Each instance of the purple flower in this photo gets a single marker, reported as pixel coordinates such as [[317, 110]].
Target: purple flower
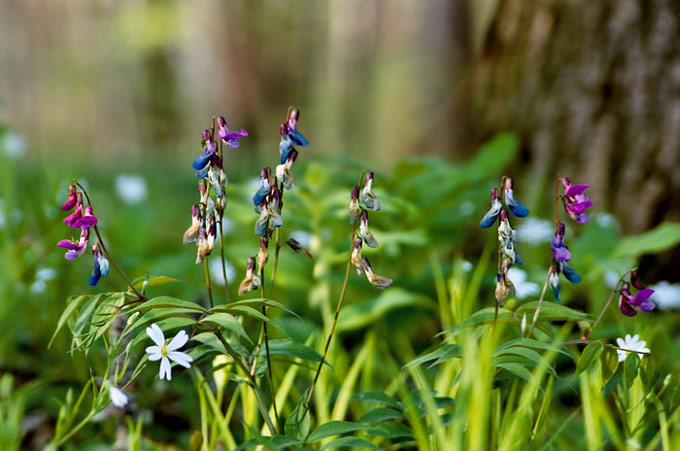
[[71, 219], [560, 251], [203, 159], [295, 136], [229, 138], [87, 220], [515, 207], [286, 144], [101, 266], [75, 249], [575, 201], [630, 305], [491, 215], [72, 199]]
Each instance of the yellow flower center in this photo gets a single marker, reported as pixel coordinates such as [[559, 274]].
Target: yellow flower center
[[164, 351]]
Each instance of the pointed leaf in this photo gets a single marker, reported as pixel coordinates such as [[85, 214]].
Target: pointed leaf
[[589, 356], [334, 428], [228, 322], [381, 414], [378, 397], [350, 442]]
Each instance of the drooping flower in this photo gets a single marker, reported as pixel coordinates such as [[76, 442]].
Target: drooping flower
[[354, 208], [356, 258], [71, 219], [72, 199], [101, 266], [571, 275], [263, 253], [118, 397], [263, 189], [168, 352], [283, 173], [507, 238], [192, 232], [554, 282], [203, 248], [366, 234], [263, 221], [515, 207], [286, 144], [203, 159], [504, 286], [370, 200], [295, 136], [87, 220], [218, 180], [251, 281], [633, 344], [491, 215], [229, 138], [560, 251], [299, 248], [575, 201], [630, 305], [75, 248], [377, 281], [274, 208]]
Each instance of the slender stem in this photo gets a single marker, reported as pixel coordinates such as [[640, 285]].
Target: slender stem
[[207, 280], [585, 341], [611, 296], [540, 302], [224, 264], [337, 313], [251, 382], [106, 251], [266, 347]]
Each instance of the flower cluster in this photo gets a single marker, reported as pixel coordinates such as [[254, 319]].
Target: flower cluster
[[575, 201], [507, 236], [209, 166], [630, 304], [561, 256], [83, 219], [290, 137], [370, 201]]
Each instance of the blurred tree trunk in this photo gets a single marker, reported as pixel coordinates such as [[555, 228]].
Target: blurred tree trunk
[[593, 89]]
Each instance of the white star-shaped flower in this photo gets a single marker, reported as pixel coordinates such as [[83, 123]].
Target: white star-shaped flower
[[633, 343], [118, 397], [168, 352]]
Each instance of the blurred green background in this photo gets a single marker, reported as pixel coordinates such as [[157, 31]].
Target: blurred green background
[[438, 98]]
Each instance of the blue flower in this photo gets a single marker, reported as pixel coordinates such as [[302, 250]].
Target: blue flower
[[203, 159], [491, 215], [263, 190], [515, 207], [101, 266], [295, 136]]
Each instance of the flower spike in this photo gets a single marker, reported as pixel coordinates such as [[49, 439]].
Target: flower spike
[[377, 281]]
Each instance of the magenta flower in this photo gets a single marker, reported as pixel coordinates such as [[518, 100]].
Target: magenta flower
[[72, 199], [560, 251], [87, 220], [630, 305], [73, 218], [229, 138], [75, 248], [575, 201]]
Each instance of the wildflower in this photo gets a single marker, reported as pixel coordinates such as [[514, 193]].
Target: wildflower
[[251, 281], [192, 232], [263, 220], [203, 245], [118, 397], [515, 207], [295, 136], [632, 344], [377, 281], [504, 286], [575, 201], [218, 180], [286, 144], [366, 234], [75, 249], [370, 200], [229, 138], [630, 305], [299, 248], [263, 253], [71, 219], [168, 352], [491, 215], [101, 266], [263, 189], [72, 199], [560, 251], [203, 159], [274, 209], [507, 237], [554, 281], [356, 258], [283, 174], [87, 220], [354, 208], [212, 233]]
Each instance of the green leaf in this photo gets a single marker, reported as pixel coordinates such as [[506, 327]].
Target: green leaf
[[442, 354], [647, 372], [153, 281], [589, 356], [610, 362], [630, 368], [378, 397], [483, 316], [334, 428], [531, 343], [254, 302], [273, 442], [299, 422], [228, 322], [516, 369], [253, 313], [292, 348], [551, 311], [166, 302], [391, 430], [381, 414], [350, 442], [359, 315], [73, 304], [659, 239]]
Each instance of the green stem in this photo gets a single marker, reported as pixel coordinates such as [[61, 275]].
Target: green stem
[[224, 264], [207, 280], [540, 302], [611, 296], [266, 347]]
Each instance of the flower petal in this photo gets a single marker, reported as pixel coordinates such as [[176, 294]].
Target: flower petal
[[490, 217], [297, 138], [202, 160], [181, 358], [166, 369], [180, 340], [154, 353], [571, 275], [627, 309], [156, 334]]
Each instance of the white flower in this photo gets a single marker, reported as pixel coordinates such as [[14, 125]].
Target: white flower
[[522, 287], [168, 352], [131, 188], [633, 343], [536, 231], [666, 295], [216, 271], [118, 398]]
